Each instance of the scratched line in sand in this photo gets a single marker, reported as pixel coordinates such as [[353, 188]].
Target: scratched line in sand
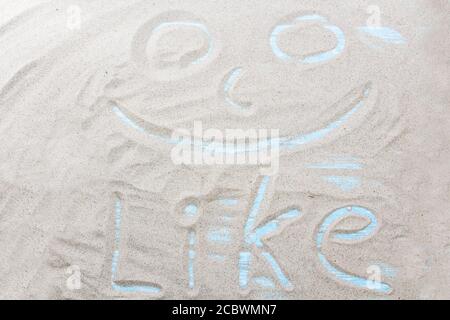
[[116, 256], [284, 142]]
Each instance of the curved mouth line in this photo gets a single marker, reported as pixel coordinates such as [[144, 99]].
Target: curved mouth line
[[165, 134]]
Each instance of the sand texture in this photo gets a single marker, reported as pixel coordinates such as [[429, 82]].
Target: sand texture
[[93, 206]]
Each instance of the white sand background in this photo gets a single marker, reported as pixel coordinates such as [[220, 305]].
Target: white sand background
[[67, 159]]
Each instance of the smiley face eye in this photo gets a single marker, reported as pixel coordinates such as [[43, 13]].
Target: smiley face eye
[[309, 21], [173, 45], [179, 44]]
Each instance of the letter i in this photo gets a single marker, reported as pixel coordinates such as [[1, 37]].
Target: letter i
[[191, 259], [190, 217]]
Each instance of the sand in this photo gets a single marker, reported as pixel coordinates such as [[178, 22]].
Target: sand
[[92, 205]]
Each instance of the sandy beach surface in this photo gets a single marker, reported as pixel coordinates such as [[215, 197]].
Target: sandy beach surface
[[355, 96]]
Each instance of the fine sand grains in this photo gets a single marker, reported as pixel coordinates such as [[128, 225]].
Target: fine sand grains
[[93, 206]]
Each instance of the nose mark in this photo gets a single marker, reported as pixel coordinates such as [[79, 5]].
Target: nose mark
[[228, 84]]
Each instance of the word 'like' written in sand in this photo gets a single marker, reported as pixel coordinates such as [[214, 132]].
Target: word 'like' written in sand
[[252, 243]]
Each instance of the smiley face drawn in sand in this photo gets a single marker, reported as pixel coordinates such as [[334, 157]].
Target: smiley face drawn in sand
[[172, 54], [189, 48]]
